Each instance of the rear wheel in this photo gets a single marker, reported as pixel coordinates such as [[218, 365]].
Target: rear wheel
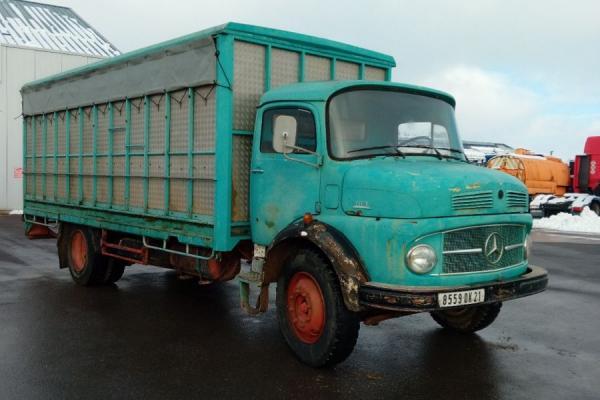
[[595, 207], [86, 265], [114, 270], [312, 315], [467, 319]]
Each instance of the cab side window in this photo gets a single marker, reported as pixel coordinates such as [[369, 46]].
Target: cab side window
[[306, 136]]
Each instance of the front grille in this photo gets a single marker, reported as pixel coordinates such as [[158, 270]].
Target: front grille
[[468, 201], [517, 199], [465, 249]]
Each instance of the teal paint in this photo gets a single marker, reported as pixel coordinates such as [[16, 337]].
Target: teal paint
[[44, 153], [110, 133], [68, 155], [190, 152], [26, 172], [361, 71], [127, 154], [34, 157], [55, 161], [95, 153], [224, 139], [332, 67], [301, 67], [147, 111], [80, 120], [267, 68], [167, 186]]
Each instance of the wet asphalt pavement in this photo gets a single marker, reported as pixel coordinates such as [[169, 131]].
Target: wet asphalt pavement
[[154, 336]]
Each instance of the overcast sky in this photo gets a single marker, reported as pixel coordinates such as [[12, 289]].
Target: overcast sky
[[526, 73]]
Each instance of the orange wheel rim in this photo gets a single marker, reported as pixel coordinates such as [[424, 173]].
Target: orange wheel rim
[[78, 251], [305, 307]]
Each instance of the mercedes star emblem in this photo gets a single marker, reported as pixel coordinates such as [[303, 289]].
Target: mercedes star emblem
[[494, 247]]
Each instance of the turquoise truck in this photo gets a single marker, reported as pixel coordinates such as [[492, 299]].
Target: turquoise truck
[[275, 157]]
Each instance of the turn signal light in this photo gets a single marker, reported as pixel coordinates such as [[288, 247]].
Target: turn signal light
[[307, 219]]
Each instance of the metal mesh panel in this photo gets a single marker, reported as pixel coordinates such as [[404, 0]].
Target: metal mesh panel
[[178, 195], [317, 68], [157, 124], [73, 132], [88, 131], [205, 113], [284, 67], [178, 166], [62, 134], [50, 137], [118, 132], [249, 83], [62, 187], [88, 165], [39, 142], [346, 70], [204, 197], [102, 129], [29, 175], [204, 167], [179, 121], [242, 154], [29, 135], [374, 74], [136, 182], [102, 180], [74, 188], [118, 197], [475, 238], [156, 166], [137, 126], [156, 193], [39, 190]]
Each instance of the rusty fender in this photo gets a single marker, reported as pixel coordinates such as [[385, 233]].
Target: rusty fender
[[341, 254]]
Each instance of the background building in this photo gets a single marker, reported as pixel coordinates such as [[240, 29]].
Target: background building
[[36, 40]]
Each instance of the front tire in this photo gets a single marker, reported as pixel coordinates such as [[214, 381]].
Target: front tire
[[312, 316], [467, 319]]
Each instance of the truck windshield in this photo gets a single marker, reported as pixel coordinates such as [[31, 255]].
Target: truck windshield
[[370, 122]]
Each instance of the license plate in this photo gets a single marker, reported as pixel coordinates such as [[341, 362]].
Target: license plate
[[461, 298]]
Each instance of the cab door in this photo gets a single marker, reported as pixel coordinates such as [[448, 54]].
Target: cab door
[[283, 187]]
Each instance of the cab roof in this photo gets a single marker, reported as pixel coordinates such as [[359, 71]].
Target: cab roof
[[323, 90]]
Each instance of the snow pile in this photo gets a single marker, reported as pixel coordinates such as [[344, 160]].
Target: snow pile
[[586, 222], [16, 212]]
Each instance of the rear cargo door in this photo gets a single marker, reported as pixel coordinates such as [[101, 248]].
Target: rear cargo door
[[283, 189]]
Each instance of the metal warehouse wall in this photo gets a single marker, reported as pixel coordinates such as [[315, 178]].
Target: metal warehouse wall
[[17, 67]]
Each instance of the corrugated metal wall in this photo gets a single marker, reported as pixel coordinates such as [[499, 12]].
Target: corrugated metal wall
[[17, 67]]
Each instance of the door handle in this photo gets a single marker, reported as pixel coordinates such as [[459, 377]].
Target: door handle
[[257, 171]]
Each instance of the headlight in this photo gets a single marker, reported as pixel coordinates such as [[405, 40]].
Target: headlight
[[527, 247], [421, 259]]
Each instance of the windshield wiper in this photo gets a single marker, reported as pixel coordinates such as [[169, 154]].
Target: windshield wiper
[[387, 146], [424, 146]]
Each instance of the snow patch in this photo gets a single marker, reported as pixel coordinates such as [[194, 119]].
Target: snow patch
[[16, 212], [586, 222]]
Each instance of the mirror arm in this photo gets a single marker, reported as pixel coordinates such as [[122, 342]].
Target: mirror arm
[[315, 165]]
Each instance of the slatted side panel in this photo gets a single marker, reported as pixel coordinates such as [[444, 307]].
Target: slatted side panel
[[102, 160], [285, 67], [160, 160], [346, 70], [317, 68], [203, 168], [249, 83], [118, 132], [242, 154], [374, 73]]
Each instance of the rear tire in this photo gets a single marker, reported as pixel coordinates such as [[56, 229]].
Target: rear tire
[[467, 319], [595, 207], [86, 265], [114, 270], [312, 316]]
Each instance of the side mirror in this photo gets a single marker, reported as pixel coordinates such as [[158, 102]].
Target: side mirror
[[284, 133]]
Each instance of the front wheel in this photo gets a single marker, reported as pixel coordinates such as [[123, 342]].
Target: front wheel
[[312, 315], [467, 319]]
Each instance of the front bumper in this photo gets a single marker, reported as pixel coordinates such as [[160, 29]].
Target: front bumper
[[419, 299]]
